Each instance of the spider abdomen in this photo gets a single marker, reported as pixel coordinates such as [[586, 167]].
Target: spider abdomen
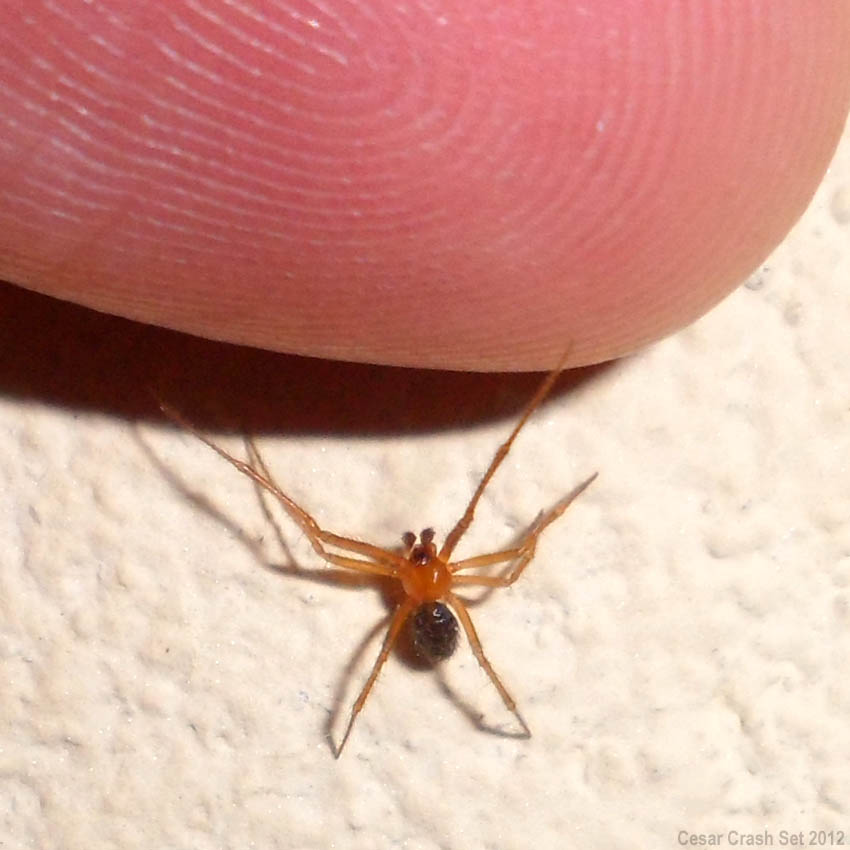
[[434, 631]]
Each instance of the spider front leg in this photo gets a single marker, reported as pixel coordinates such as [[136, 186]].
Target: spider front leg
[[383, 563], [462, 525], [524, 551], [307, 523], [258, 471]]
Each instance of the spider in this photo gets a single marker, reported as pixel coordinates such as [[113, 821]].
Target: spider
[[428, 576]]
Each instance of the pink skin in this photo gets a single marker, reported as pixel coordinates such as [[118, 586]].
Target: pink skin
[[464, 184]]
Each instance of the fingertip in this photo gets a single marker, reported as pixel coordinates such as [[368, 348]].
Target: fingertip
[[443, 191]]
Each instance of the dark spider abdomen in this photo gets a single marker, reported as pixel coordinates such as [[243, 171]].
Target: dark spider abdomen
[[434, 631]]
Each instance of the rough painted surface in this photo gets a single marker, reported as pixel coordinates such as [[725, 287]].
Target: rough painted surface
[[679, 647]]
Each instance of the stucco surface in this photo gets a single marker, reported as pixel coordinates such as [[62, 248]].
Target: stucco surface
[[679, 647]]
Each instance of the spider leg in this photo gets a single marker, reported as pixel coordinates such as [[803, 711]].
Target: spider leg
[[401, 614], [475, 643], [524, 551], [358, 546], [465, 521], [387, 562]]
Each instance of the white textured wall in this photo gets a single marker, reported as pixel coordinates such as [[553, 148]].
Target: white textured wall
[[679, 647]]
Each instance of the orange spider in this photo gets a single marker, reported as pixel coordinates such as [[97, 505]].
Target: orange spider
[[428, 577]]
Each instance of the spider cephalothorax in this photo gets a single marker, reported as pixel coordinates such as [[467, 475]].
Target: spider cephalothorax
[[424, 575]]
